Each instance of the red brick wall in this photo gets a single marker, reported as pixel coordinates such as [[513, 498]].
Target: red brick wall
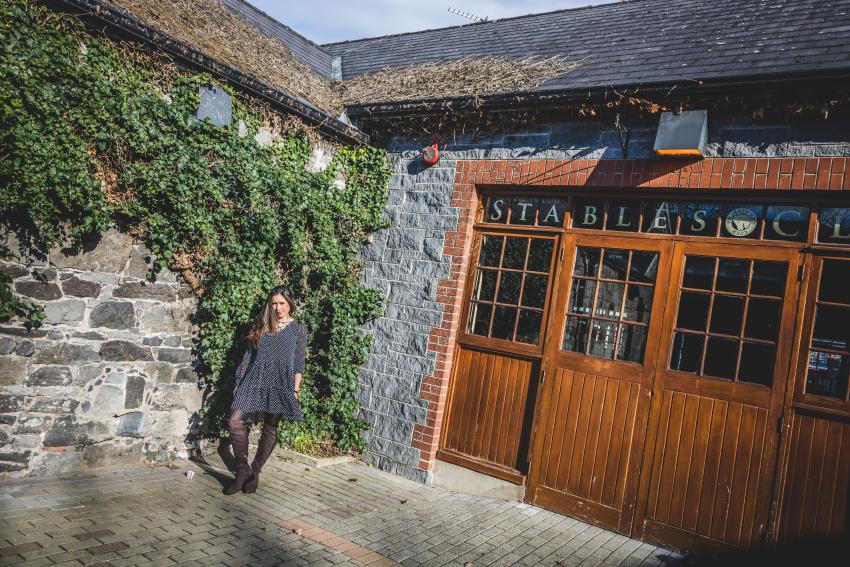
[[821, 174]]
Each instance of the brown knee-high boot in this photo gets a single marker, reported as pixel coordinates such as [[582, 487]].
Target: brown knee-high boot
[[239, 442], [268, 440]]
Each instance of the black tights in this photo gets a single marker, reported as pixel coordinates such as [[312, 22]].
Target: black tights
[[239, 437]]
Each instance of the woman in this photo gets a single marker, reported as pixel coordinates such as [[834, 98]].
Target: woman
[[269, 381]]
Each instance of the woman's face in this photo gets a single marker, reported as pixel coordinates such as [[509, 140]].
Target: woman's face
[[280, 306]]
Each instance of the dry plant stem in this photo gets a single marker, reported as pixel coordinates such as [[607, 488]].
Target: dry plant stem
[[463, 77], [220, 33]]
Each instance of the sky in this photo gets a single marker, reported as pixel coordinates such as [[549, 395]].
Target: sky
[[326, 21]]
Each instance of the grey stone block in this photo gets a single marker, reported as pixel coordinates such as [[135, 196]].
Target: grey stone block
[[152, 341], [42, 404], [130, 424], [67, 312], [13, 370], [11, 403], [118, 350], [186, 375], [117, 452], [159, 372], [31, 424], [113, 315], [216, 105], [89, 335], [51, 464], [81, 288], [7, 345], [106, 253], [50, 376], [174, 355], [13, 270], [108, 400], [46, 291], [141, 290], [68, 430], [26, 348], [134, 391], [66, 353]]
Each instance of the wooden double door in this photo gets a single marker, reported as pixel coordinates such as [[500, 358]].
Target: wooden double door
[[652, 375]]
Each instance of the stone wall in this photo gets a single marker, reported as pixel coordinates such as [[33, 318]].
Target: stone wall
[[397, 391], [108, 378]]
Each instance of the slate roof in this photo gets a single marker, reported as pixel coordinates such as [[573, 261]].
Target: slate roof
[[637, 41]]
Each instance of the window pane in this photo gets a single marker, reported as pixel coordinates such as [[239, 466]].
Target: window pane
[[614, 264], [609, 299], [479, 319], [831, 328], [587, 261], [835, 281], [588, 214], [834, 225], [575, 334], [509, 287], [528, 328], [485, 285], [540, 255], [623, 216], [515, 250], [732, 275], [581, 296], [787, 223], [699, 272], [699, 219], [644, 267], [632, 343], [534, 291], [503, 323], [756, 364], [727, 315], [660, 217], [602, 337], [693, 311], [721, 357], [769, 278], [638, 303], [741, 221], [763, 319], [491, 250], [523, 210], [687, 352], [552, 212], [497, 210], [827, 374]]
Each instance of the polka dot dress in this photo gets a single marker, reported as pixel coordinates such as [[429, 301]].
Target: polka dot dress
[[265, 380]]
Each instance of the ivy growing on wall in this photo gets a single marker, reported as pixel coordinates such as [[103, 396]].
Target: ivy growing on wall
[[96, 134]]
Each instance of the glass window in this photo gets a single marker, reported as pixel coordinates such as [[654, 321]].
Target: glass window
[[523, 210], [834, 225], [610, 303], [827, 373], [588, 213], [740, 221], [511, 283], [623, 216], [660, 217], [699, 219], [787, 223], [723, 331]]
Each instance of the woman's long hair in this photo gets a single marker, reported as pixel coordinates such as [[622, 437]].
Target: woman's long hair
[[266, 320]]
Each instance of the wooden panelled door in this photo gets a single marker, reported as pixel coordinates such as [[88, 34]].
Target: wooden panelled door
[[815, 500], [708, 470], [498, 355], [592, 418]]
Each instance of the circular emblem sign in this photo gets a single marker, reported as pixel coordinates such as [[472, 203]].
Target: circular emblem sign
[[741, 222]]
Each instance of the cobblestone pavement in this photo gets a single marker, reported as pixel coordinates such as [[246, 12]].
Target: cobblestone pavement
[[347, 515]]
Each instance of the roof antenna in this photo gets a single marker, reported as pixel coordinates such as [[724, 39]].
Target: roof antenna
[[472, 17]]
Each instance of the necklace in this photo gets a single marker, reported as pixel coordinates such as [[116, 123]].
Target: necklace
[[281, 325]]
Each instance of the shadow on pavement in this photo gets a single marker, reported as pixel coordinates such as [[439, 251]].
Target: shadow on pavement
[[805, 553]]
